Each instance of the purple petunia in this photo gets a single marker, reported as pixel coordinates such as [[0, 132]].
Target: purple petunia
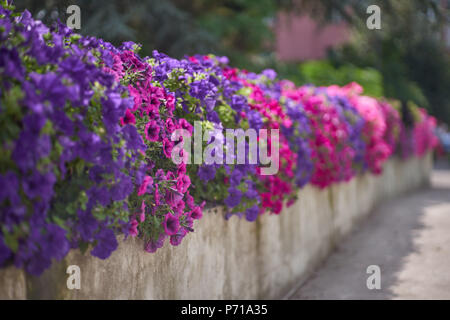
[[39, 185], [206, 172], [252, 213], [254, 120], [238, 103], [234, 197], [106, 243]]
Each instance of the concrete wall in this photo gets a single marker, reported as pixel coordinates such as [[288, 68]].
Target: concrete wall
[[232, 259]]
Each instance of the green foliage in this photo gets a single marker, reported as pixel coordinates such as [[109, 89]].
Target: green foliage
[[155, 24], [407, 51], [323, 73], [240, 29]]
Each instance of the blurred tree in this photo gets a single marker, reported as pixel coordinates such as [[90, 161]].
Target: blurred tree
[[240, 29], [243, 27], [407, 50], [155, 24]]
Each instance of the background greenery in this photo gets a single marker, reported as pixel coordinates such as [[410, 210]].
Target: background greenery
[[404, 60]]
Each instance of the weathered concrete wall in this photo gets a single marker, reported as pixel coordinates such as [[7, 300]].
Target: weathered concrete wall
[[228, 259]]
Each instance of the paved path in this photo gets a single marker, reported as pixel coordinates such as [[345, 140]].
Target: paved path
[[408, 238]]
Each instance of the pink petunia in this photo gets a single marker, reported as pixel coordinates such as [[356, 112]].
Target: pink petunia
[[152, 131], [148, 181], [171, 224], [183, 183], [133, 231], [129, 118]]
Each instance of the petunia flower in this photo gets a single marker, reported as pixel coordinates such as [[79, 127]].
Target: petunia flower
[[171, 224], [152, 131]]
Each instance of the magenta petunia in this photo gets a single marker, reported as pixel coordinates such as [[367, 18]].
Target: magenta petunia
[[190, 200], [129, 118], [170, 126], [152, 131], [142, 212], [167, 147], [170, 103], [176, 239], [133, 231], [181, 168], [171, 224], [196, 213], [183, 183], [182, 123], [173, 196], [179, 208], [148, 181]]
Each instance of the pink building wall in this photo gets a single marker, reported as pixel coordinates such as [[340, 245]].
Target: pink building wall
[[301, 38]]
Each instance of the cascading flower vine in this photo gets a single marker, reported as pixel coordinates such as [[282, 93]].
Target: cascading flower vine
[[68, 164], [87, 141]]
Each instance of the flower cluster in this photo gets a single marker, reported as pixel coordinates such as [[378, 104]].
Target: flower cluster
[[374, 131], [332, 150], [88, 137], [67, 163], [264, 95], [162, 206], [424, 136]]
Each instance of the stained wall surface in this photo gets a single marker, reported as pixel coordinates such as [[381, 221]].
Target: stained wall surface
[[232, 259]]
